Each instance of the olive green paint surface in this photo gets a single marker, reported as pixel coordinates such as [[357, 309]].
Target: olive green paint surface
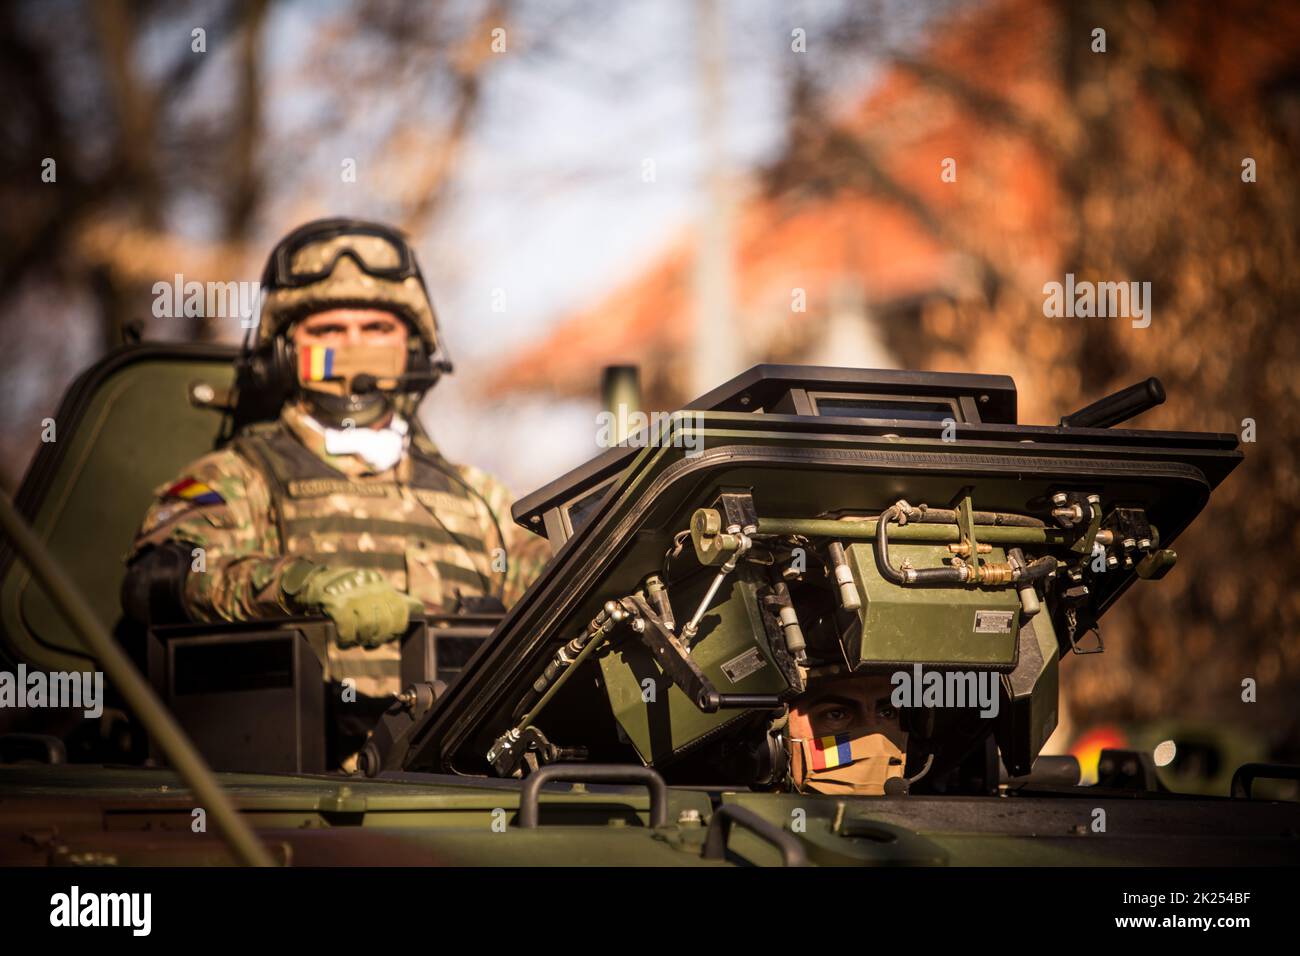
[[930, 625], [655, 713], [135, 816], [138, 432]]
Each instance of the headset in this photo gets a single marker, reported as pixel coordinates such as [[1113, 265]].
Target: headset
[[269, 372]]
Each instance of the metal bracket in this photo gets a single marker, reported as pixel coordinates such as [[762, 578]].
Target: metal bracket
[[681, 668], [717, 532], [966, 528], [1084, 545], [509, 754], [390, 738], [738, 511], [674, 658], [1157, 564]]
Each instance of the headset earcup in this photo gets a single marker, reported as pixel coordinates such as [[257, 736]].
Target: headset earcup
[[285, 361], [265, 380], [272, 371]]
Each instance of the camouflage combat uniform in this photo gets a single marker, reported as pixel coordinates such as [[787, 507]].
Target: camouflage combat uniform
[[425, 524]]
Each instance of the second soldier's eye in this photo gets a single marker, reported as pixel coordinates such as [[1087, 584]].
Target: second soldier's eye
[[834, 716], [885, 710]]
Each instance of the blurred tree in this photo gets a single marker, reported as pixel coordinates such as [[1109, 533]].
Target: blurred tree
[[1142, 147], [182, 143]]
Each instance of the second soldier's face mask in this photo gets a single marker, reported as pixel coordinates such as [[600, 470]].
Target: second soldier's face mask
[[844, 740], [848, 763]]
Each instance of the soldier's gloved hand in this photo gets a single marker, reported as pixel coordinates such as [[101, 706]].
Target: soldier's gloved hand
[[365, 608]]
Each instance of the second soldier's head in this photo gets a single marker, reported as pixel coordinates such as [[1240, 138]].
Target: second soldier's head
[[845, 736], [346, 322]]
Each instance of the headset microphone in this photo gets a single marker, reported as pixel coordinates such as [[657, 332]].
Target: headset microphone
[[365, 383]]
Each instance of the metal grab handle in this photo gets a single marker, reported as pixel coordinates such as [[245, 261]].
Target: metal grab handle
[[1248, 773], [715, 841], [593, 773]]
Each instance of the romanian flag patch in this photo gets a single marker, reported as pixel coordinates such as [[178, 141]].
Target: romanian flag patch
[[316, 363], [830, 752], [195, 492]]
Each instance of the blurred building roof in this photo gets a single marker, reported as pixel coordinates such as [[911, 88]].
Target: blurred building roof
[[862, 198]]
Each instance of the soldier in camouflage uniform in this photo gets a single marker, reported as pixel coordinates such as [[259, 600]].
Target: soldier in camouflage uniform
[[343, 506]]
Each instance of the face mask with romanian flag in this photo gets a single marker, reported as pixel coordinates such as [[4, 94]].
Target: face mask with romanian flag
[[333, 369], [852, 762]]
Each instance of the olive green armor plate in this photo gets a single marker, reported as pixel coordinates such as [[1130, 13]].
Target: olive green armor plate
[[126, 426]]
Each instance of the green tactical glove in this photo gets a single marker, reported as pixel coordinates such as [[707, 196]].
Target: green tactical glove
[[365, 608]]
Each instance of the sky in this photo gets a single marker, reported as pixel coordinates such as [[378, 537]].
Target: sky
[[553, 209]]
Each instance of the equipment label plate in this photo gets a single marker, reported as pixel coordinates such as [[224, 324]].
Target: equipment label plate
[[741, 666], [994, 622]]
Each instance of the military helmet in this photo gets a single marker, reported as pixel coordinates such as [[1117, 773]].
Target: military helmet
[[344, 263], [330, 264]]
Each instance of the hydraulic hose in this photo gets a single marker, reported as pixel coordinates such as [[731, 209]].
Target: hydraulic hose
[[1038, 568], [961, 574], [911, 575]]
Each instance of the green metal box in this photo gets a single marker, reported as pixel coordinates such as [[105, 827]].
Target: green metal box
[[731, 650], [957, 625]]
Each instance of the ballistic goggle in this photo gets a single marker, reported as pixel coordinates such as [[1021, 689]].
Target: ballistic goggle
[[310, 253]]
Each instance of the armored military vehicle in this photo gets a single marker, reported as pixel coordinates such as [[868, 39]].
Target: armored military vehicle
[[793, 526]]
